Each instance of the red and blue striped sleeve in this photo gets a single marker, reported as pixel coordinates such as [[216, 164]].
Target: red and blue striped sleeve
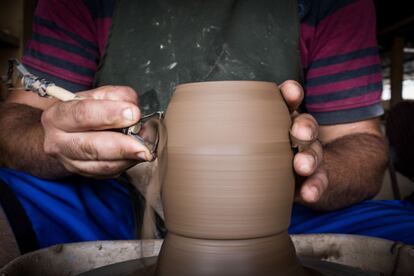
[[68, 40], [343, 80]]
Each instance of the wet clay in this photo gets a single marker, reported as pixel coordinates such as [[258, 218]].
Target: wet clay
[[274, 255], [229, 170], [229, 185], [147, 177]]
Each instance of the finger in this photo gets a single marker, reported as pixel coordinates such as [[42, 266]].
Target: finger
[[293, 94], [112, 92], [83, 115], [306, 162], [99, 146], [314, 187], [98, 169], [304, 128]]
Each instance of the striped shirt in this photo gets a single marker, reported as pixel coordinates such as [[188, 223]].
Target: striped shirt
[[338, 50]]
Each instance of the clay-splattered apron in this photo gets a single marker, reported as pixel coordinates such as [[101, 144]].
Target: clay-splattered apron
[[156, 44]]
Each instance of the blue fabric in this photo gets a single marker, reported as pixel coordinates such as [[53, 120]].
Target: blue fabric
[[81, 209], [73, 209], [388, 219]]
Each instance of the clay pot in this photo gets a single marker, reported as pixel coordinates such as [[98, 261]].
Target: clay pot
[[274, 255], [229, 172]]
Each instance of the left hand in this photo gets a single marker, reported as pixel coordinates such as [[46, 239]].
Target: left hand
[[308, 161]]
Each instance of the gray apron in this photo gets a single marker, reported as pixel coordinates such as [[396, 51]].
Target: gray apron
[[156, 44]]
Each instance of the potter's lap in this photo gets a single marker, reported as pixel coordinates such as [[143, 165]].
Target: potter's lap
[[81, 209], [73, 209], [388, 219]]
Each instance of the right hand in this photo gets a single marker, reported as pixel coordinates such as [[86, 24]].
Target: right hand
[[74, 132]]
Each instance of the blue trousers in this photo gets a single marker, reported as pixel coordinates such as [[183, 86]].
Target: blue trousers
[[83, 209]]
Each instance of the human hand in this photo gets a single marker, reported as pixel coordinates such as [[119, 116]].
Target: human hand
[[307, 163], [73, 132]]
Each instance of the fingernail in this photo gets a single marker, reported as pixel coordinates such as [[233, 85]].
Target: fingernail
[[128, 114], [305, 168], [301, 133], [142, 155], [308, 163], [314, 193]]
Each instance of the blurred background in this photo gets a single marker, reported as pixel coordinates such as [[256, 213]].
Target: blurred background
[[395, 30], [15, 30]]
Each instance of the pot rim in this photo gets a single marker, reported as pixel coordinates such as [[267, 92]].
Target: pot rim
[[226, 82]]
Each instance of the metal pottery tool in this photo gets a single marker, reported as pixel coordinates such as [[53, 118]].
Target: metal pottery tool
[[44, 88]]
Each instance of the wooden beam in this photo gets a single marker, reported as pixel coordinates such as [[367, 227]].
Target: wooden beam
[[397, 69], [397, 26]]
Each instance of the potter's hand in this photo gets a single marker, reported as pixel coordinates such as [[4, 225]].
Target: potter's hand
[[307, 162], [71, 136]]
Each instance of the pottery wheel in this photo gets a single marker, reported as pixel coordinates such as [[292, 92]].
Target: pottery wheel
[[146, 267]]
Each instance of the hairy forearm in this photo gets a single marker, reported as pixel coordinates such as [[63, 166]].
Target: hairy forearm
[[355, 165], [21, 142]]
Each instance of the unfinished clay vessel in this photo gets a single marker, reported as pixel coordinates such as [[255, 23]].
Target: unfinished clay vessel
[[229, 170], [273, 255]]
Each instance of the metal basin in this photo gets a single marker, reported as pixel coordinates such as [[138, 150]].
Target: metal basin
[[323, 252]]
